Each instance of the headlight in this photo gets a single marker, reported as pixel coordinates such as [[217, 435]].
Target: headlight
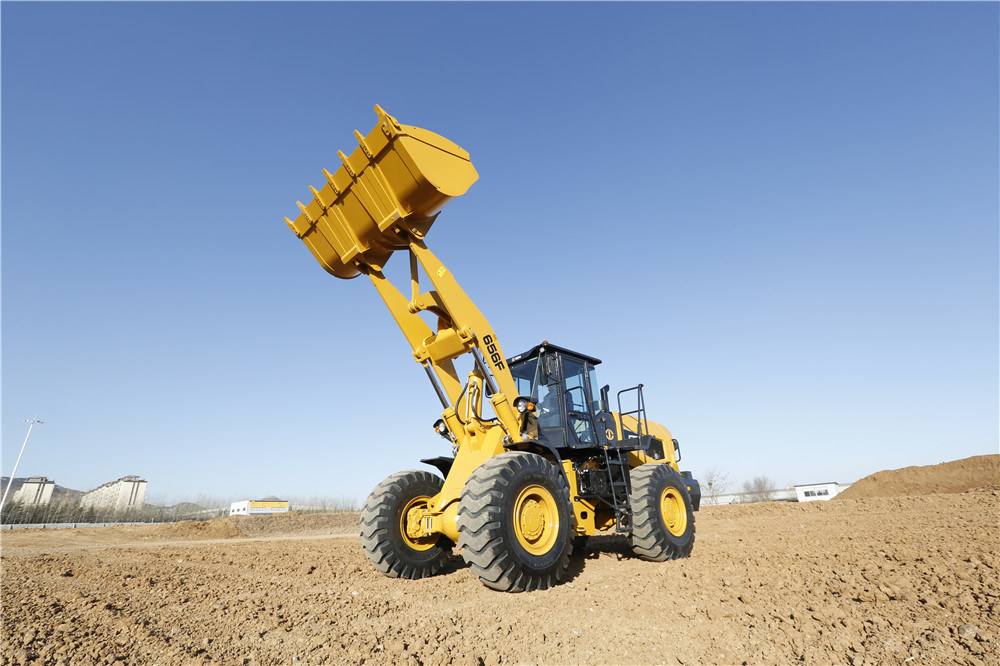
[[523, 405], [441, 428]]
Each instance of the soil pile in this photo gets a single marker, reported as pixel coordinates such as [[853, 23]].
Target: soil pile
[[959, 476], [221, 528], [902, 580], [235, 527], [294, 522]]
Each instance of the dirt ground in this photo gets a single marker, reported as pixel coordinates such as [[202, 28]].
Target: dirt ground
[[911, 579]]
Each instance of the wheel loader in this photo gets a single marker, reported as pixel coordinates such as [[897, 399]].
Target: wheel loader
[[541, 458]]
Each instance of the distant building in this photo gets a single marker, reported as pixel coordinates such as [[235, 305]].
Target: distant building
[[777, 495], [806, 493], [814, 492], [128, 492], [263, 507], [35, 490]]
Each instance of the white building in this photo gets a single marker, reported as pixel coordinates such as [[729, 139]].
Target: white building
[[263, 507], [128, 492], [777, 495], [806, 493], [35, 490], [814, 492]]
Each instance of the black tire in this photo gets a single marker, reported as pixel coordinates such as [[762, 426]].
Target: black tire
[[662, 515], [383, 530], [515, 523]]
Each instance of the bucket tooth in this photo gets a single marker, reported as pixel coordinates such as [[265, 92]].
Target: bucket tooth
[[291, 225], [329, 179], [363, 144], [319, 199], [305, 213], [347, 163], [388, 124]]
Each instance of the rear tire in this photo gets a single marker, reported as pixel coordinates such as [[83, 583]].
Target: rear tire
[[515, 522], [662, 515], [384, 524]]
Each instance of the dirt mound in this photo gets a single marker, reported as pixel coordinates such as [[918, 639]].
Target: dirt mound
[[220, 528], [188, 530], [958, 476], [294, 522], [235, 527]]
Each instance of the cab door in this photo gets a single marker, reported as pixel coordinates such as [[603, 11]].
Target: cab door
[[577, 401]]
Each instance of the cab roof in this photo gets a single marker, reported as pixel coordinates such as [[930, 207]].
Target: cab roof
[[548, 346]]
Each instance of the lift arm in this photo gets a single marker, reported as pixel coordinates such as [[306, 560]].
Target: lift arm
[[384, 198]]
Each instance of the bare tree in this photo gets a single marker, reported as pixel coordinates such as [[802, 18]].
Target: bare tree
[[714, 483], [760, 489]]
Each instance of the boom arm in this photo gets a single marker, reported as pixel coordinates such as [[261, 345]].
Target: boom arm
[[384, 198], [462, 329]]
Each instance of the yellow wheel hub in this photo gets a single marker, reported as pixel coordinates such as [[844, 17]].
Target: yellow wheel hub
[[410, 527], [536, 520], [674, 512]]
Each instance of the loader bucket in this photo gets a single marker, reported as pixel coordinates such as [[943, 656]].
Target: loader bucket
[[398, 178]]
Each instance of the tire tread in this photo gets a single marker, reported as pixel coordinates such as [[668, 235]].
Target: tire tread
[[480, 524], [650, 539], [376, 523]]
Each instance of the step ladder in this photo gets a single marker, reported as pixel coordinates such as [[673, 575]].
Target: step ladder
[[618, 475]]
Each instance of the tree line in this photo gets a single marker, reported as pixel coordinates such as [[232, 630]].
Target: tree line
[[70, 511], [18, 513], [716, 483]]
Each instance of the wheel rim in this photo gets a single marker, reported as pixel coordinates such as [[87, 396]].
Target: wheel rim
[[536, 519], [673, 511], [409, 525]]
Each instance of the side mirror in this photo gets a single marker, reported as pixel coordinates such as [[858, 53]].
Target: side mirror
[[604, 398], [548, 366]]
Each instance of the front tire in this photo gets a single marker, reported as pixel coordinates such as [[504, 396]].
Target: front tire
[[662, 515], [384, 521], [515, 523]]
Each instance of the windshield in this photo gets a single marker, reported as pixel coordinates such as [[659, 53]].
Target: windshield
[[524, 376], [541, 389]]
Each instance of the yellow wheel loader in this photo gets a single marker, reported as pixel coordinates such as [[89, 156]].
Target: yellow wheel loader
[[540, 460]]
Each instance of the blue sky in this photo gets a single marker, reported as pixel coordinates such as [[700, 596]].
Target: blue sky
[[780, 218]]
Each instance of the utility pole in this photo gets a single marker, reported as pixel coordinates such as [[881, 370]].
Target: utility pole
[[10, 481]]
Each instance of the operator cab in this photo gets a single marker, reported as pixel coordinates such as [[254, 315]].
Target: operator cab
[[571, 411]]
